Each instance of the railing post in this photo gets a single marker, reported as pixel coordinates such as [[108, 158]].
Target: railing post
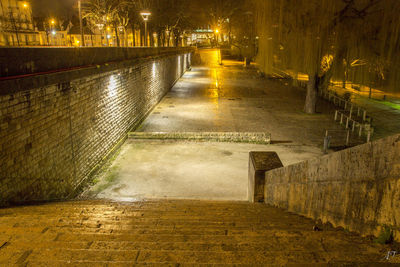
[[351, 111]]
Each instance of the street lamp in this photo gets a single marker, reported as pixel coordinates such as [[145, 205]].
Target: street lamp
[[145, 15], [80, 22]]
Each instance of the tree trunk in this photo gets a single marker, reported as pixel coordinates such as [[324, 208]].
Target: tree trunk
[[116, 35], [311, 98]]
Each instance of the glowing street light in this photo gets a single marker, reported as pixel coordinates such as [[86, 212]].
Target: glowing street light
[[52, 21], [80, 22], [145, 15], [25, 5]]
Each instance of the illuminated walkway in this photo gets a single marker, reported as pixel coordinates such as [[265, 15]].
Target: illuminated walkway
[[213, 98], [231, 98]]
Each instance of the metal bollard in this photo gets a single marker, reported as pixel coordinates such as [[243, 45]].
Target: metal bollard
[[341, 118], [347, 123], [354, 126], [369, 137], [365, 115], [336, 115], [348, 138], [360, 130], [327, 141], [351, 111]]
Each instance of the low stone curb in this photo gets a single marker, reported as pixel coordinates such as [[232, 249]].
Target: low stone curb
[[238, 137]]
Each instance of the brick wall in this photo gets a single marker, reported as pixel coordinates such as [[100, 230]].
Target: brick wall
[[52, 137]]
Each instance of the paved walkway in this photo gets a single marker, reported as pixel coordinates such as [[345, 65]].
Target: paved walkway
[[231, 98], [213, 98], [174, 233]]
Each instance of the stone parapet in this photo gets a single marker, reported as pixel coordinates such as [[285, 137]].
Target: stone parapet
[[357, 188], [28, 60]]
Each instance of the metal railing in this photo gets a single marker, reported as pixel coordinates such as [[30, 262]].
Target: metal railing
[[364, 127], [347, 105]]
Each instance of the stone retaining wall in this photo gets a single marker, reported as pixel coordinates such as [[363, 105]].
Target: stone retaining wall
[[53, 136], [238, 137], [357, 188]]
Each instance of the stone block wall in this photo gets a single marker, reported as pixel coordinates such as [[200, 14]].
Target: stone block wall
[[357, 188], [53, 136]]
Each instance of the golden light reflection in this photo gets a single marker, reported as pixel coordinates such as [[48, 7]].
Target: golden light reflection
[[214, 94]]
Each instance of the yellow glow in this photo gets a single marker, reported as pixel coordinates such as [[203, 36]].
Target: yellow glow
[[216, 31], [52, 21], [108, 18], [77, 41], [25, 5], [108, 29]]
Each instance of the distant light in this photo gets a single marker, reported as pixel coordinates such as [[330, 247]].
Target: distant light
[[216, 31], [53, 32], [108, 29], [77, 41], [52, 21], [25, 5], [145, 15], [108, 36]]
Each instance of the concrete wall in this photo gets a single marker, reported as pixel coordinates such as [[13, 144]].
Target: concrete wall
[[56, 129], [357, 188]]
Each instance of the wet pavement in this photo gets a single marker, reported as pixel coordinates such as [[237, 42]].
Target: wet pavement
[[233, 98], [213, 98]]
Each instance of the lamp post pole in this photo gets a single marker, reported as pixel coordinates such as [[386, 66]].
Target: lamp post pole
[[145, 16], [145, 32], [81, 23]]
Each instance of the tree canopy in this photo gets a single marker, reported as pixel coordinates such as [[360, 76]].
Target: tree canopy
[[356, 40]]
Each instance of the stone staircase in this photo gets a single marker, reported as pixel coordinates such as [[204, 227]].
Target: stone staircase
[[172, 233]]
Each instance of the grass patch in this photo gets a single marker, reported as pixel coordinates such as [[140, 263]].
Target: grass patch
[[386, 236], [388, 103]]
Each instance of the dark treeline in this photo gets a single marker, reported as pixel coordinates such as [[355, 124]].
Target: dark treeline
[[340, 40]]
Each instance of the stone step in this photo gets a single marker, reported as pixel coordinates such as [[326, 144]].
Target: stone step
[[212, 239], [97, 233], [189, 257], [153, 231], [270, 243]]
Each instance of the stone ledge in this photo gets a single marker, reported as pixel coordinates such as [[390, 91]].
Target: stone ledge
[[243, 137], [259, 164]]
